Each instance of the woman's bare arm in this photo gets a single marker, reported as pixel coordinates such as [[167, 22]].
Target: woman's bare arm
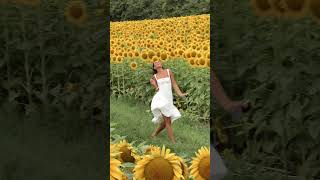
[[219, 93], [175, 85], [153, 82]]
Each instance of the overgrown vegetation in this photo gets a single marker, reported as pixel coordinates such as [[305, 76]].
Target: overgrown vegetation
[[274, 62]]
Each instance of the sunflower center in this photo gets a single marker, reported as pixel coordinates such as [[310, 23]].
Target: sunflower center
[[202, 61], [263, 5], [158, 169], [204, 168], [278, 6], [126, 155], [295, 5], [76, 11]]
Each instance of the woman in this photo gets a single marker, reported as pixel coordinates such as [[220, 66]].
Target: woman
[[162, 106], [236, 108]]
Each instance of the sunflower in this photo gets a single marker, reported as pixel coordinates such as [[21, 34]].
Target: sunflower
[[278, 8], [296, 8], [76, 12], [128, 154], [160, 165], [151, 148], [163, 56], [184, 167], [133, 65], [202, 62], [192, 62], [200, 165], [155, 58], [314, 8], [115, 172], [262, 7], [144, 55]]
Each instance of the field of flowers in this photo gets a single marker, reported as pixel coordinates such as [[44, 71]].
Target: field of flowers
[[279, 72], [181, 44], [151, 162]]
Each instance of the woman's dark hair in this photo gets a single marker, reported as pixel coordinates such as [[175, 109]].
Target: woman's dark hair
[[155, 71]]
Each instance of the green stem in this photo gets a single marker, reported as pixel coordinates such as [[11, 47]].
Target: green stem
[[26, 62], [124, 88], [43, 60], [6, 56]]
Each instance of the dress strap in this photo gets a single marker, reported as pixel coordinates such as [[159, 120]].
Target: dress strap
[[155, 76], [168, 72]]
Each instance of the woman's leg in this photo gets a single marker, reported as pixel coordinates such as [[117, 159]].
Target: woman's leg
[[159, 129], [222, 98], [167, 121]]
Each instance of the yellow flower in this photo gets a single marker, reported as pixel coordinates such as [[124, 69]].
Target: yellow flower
[[76, 12], [133, 65], [262, 7], [151, 149], [296, 8], [128, 154], [200, 165], [184, 167], [115, 172], [278, 8], [314, 8], [160, 165]]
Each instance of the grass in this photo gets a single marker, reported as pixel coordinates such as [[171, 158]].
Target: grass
[[134, 121]]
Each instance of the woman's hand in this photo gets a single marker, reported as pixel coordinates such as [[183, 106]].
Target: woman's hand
[[154, 84]]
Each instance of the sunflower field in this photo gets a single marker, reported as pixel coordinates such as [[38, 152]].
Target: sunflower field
[[180, 43], [268, 52], [130, 161]]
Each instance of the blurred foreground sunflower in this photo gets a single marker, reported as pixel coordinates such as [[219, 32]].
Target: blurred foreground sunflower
[[160, 165], [128, 154], [278, 8], [76, 12], [151, 148], [296, 8], [314, 9], [262, 7], [200, 165], [115, 172], [184, 167]]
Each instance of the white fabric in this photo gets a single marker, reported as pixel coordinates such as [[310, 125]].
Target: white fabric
[[162, 101], [218, 169]]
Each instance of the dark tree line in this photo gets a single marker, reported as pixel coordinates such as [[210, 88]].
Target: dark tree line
[[149, 9]]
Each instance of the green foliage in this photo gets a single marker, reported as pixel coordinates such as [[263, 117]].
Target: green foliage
[[51, 73], [136, 84], [133, 123], [274, 63], [145, 9]]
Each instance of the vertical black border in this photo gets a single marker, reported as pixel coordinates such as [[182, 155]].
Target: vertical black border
[[213, 41], [107, 101]]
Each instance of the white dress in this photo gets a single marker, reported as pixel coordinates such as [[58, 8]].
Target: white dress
[[218, 169], [162, 101]]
